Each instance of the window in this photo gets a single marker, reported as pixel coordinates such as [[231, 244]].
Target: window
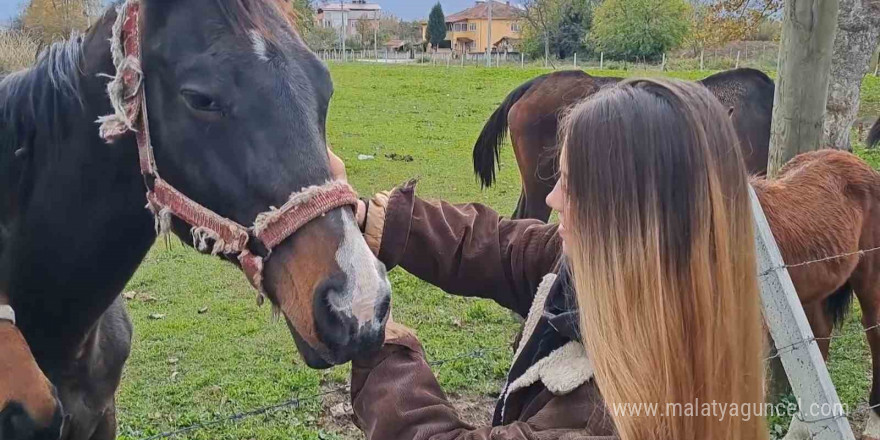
[[448, 27], [459, 27], [472, 27], [515, 27]]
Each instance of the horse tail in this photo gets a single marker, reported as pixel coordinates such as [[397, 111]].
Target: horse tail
[[874, 135], [488, 146], [839, 303]]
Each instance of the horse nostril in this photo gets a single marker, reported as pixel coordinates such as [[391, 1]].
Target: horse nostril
[[333, 318], [15, 423]]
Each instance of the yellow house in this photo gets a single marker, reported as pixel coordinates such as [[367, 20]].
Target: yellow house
[[468, 31]]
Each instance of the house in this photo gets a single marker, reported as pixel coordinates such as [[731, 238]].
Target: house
[[468, 31], [334, 14]]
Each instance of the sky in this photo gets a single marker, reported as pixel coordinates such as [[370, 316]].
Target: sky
[[405, 9]]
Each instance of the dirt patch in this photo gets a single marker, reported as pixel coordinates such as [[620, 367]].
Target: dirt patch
[[337, 417]]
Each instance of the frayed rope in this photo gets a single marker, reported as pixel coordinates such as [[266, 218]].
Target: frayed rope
[[119, 122]]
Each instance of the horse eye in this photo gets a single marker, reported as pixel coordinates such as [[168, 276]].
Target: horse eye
[[200, 102]]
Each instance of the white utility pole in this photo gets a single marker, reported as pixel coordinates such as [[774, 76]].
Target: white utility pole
[[344, 28], [489, 42]]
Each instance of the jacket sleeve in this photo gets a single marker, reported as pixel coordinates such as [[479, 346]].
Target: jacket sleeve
[[396, 396], [466, 250]]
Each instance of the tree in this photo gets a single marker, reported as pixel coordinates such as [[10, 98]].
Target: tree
[[321, 38], [364, 29], [640, 28], [436, 26], [808, 31], [722, 21], [305, 15], [51, 20], [539, 16], [858, 35]]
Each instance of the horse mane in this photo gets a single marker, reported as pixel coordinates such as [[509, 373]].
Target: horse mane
[[34, 97], [247, 16]]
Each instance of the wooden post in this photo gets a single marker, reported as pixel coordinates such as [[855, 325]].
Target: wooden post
[[808, 30], [601, 60], [702, 66], [522, 62], [876, 67], [663, 63], [575, 60], [737, 60], [794, 339]]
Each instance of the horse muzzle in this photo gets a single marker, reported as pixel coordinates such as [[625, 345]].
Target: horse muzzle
[[16, 423]]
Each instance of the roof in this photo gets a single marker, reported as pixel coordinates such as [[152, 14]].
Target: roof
[[480, 11], [337, 6]]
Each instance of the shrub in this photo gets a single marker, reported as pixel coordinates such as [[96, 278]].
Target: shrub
[[18, 50]]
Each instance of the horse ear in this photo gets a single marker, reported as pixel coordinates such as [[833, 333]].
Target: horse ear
[[730, 112]]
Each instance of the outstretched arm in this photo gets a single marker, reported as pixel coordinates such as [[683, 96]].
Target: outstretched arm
[[467, 249]]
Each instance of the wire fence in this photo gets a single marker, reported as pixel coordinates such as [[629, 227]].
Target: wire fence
[[754, 54], [828, 414], [299, 401], [483, 353]]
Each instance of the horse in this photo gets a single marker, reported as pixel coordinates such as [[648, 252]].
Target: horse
[[532, 112], [29, 406], [874, 135], [237, 109], [821, 205]]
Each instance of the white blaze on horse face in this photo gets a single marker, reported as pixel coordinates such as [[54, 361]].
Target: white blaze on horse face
[[259, 45], [365, 284]]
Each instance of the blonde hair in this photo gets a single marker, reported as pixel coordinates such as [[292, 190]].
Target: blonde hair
[[663, 260]]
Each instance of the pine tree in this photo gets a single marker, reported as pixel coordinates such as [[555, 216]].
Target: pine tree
[[436, 26]]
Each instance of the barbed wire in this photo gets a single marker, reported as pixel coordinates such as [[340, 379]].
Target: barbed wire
[[483, 352], [297, 402], [860, 253]]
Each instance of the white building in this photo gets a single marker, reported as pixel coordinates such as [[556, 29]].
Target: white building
[[334, 14]]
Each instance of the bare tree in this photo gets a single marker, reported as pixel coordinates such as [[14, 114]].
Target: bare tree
[[538, 14], [858, 35]]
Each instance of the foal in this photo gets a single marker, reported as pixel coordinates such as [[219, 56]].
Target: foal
[[824, 204], [29, 408]]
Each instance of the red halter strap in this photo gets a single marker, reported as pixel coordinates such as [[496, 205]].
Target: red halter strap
[[230, 238]]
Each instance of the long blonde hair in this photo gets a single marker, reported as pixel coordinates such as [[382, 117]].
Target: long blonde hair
[[663, 260]]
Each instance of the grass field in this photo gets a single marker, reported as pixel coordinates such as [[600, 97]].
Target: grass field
[[194, 365]]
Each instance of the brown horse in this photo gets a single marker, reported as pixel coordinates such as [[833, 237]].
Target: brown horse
[[29, 407], [874, 135], [824, 204], [532, 112]]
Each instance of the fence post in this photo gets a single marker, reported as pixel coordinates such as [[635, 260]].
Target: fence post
[[794, 339], [876, 67], [522, 62], [737, 60], [701, 59], [663, 63], [575, 60], [601, 60]]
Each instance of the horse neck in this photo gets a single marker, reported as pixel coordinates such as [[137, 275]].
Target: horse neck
[[81, 229]]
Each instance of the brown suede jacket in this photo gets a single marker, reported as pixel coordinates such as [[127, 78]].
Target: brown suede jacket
[[470, 250]]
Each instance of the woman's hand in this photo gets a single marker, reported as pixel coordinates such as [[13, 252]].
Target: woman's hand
[[337, 172]]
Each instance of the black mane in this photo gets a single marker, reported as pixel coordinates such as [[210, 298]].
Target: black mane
[[35, 99]]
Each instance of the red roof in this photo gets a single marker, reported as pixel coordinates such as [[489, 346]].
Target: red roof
[[480, 11]]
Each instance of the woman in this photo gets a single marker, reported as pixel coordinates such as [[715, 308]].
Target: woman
[[655, 220]]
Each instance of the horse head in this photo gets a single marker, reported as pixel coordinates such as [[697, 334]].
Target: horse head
[[237, 109], [29, 406]]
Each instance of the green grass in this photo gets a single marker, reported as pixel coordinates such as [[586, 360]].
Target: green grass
[[193, 367]]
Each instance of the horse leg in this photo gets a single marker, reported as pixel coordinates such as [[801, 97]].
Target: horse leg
[[821, 322], [106, 429], [867, 290], [520, 211]]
